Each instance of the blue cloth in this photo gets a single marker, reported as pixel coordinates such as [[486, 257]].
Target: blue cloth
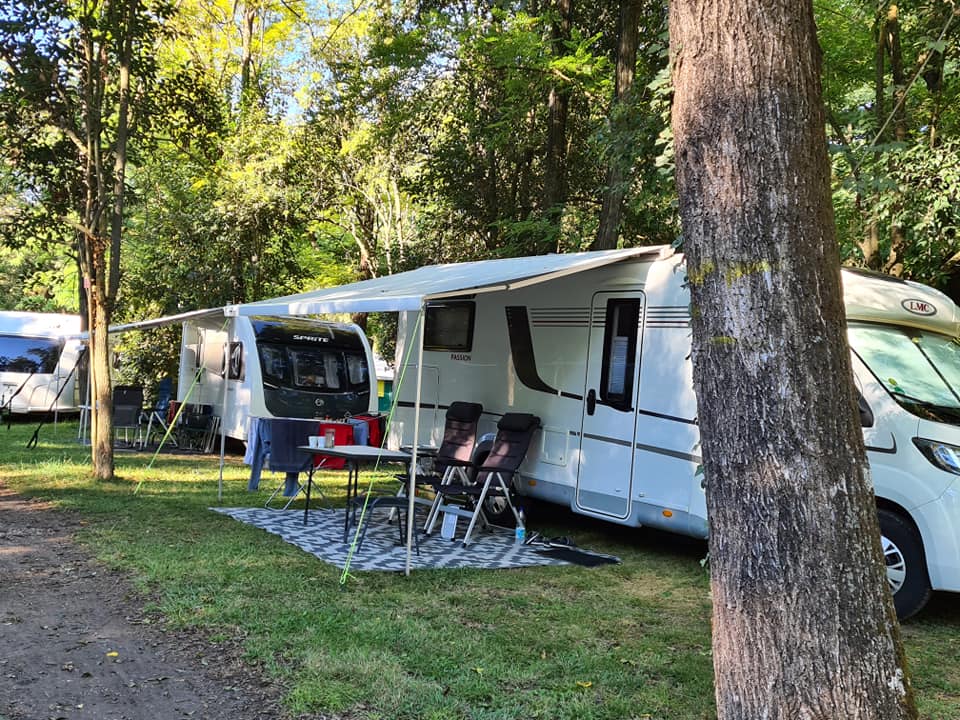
[[258, 448], [285, 437], [361, 431]]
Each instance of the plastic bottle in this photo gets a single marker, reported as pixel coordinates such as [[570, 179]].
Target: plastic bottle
[[520, 535]]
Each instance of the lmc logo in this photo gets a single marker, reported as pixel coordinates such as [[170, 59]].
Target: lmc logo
[[919, 307]]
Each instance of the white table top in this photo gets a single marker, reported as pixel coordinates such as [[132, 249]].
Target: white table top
[[359, 452]]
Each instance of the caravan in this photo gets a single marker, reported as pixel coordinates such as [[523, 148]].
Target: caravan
[[275, 367], [39, 353], [602, 355]]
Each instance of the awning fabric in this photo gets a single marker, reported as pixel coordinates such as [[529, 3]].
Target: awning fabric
[[409, 290], [168, 320]]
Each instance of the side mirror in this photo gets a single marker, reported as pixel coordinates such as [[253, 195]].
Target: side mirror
[[866, 414]]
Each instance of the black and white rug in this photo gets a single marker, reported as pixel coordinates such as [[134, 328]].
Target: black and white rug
[[322, 536]]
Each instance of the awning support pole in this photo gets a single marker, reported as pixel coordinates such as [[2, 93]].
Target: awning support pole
[[223, 404], [411, 491]]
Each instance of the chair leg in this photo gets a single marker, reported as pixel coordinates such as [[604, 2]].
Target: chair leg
[[478, 511]]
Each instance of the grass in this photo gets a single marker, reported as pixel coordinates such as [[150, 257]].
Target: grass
[[616, 641]]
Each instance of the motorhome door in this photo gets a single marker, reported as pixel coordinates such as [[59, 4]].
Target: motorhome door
[[605, 466]]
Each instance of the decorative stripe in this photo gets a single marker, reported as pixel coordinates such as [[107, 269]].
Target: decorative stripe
[[640, 446], [521, 352], [670, 316], [662, 416]]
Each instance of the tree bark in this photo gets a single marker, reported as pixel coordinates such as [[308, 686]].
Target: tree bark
[[618, 167], [803, 621], [558, 104]]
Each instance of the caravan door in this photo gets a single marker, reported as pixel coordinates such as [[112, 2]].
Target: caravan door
[[608, 423]]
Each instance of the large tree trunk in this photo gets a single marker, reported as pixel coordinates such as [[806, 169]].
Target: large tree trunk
[[803, 621], [618, 166]]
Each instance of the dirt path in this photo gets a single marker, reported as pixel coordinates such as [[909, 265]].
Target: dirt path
[[74, 644]]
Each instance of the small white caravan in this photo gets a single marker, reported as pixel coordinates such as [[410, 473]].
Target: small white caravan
[[39, 353], [277, 367], [601, 353]]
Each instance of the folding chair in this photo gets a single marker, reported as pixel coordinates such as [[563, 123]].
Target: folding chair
[[158, 413], [127, 410], [495, 476], [454, 458]]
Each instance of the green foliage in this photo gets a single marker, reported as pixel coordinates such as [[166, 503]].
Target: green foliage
[[896, 171]]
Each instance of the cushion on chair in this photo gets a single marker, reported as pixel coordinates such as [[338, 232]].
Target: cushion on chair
[[518, 422], [464, 411]]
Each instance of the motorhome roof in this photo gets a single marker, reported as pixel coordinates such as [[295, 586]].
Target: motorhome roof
[[872, 297], [39, 324]]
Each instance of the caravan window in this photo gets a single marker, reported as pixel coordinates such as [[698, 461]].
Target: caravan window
[[310, 368], [620, 353], [29, 354], [449, 327], [235, 359]]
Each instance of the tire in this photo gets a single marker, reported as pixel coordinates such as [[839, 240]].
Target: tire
[[906, 565], [496, 508]]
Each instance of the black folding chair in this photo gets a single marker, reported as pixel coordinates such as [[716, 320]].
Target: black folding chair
[[495, 477]]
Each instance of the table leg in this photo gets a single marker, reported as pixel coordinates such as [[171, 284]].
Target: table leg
[[306, 507], [353, 487]]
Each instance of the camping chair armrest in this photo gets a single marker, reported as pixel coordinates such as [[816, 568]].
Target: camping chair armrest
[[431, 480], [456, 463], [422, 450]]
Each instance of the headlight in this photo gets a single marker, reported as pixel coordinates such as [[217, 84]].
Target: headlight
[[943, 455]]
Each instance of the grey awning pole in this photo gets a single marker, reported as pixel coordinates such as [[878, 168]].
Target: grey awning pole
[[411, 491], [223, 405]]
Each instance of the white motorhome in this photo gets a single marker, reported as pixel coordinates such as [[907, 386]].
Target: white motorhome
[[278, 367], [602, 355], [39, 353]]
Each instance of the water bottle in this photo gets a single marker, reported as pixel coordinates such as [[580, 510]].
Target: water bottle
[[520, 535]]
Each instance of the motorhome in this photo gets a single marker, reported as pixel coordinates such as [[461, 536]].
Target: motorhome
[[275, 367], [39, 353], [602, 355]]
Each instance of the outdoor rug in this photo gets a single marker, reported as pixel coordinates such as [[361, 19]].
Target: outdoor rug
[[491, 548]]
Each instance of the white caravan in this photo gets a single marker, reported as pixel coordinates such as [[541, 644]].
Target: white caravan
[[279, 367], [602, 355], [39, 353]]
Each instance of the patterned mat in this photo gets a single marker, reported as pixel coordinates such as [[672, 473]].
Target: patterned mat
[[323, 536]]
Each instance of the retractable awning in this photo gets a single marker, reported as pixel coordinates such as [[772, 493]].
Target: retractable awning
[[410, 290]]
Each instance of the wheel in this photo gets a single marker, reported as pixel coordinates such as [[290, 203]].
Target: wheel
[[495, 507], [906, 566]]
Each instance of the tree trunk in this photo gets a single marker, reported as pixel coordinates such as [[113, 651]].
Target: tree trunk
[[101, 391], [898, 239], [618, 166], [558, 104], [803, 621]]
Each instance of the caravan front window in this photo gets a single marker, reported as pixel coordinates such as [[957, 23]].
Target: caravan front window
[[311, 368], [29, 354], [921, 370]]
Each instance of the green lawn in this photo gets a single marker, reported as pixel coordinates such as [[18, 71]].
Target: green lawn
[[616, 641]]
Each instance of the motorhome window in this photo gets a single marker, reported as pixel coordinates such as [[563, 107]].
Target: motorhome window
[[919, 369], [29, 354], [449, 327], [620, 353]]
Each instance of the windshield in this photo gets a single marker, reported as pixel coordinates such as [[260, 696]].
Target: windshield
[[29, 354], [311, 368], [921, 370]]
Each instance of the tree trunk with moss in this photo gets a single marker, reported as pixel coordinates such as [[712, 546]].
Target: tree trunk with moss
[[803, 621]]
